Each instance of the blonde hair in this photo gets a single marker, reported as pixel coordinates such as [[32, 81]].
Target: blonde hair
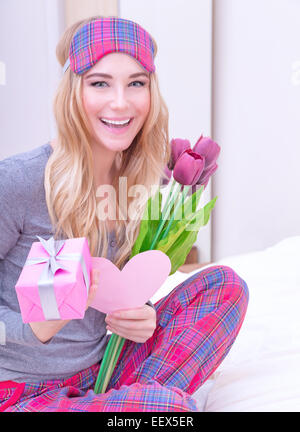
[[72, 205]]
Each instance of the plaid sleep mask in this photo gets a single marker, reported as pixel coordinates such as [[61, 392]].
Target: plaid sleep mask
[[108, 35]]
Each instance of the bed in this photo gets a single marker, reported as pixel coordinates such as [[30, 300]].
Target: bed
[[261, 372]]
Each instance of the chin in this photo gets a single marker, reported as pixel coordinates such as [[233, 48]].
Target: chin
[[114, 145]]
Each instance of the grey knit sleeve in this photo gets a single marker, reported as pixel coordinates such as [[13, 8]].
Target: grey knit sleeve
[[12, 209], [13, 202]]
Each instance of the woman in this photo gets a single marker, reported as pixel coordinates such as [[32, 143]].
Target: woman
[[112, 123]]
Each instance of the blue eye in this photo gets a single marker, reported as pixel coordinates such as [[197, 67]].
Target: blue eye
[[103, 84], [137, 84]]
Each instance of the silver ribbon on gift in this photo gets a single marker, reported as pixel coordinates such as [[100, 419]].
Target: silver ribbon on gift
[[46, 280]]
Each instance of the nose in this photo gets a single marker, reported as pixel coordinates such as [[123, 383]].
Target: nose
[[119, 100]]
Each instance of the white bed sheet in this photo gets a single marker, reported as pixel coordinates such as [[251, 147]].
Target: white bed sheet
[[262, 370]]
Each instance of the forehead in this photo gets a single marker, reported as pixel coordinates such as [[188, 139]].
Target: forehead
[[117, 64]]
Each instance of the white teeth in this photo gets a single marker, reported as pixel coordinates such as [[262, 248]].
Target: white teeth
[[115, 122]]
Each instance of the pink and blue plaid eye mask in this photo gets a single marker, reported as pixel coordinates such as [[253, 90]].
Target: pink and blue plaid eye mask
[[108, 35]]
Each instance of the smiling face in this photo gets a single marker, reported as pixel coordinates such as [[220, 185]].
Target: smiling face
[[116, 98]]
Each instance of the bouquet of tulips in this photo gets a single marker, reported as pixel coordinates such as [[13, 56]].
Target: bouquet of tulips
[[176, 229]]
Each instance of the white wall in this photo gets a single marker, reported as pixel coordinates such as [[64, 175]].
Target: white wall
[[182, 30], [76, 10], [256, 121], [29, 32]]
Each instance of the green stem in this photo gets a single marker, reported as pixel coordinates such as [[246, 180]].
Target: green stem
[[167, 203], [179, 203], [114, 358], [105, 362], [167, 209]]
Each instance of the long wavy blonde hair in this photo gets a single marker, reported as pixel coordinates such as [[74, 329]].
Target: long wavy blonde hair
[[69, 175]]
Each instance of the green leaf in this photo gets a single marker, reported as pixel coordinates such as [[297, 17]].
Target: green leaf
[[144, 226], [181, 237], [180, 249], [148, 226], [178, 229], [189, 207], [208, 208], [183, 233]]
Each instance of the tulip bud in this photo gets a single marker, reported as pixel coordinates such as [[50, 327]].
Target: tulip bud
[[209, 149], [188, 168], [178, 146]]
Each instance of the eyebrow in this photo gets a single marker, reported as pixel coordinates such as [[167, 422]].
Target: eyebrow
[[103, 75]]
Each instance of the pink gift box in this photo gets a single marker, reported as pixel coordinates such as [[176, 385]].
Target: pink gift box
[[58, 294]]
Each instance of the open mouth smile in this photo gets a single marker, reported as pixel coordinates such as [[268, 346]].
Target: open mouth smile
[[118, 124]]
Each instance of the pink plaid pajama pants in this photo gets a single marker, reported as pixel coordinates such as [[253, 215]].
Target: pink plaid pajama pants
[[197, 324]]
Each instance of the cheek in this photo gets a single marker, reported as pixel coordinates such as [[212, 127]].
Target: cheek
[[144, 106], [89, 102]]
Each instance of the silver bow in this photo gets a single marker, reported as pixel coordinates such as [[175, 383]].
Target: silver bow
[[46, 280]]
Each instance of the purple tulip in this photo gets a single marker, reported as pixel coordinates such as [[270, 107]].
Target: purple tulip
[[207, 148], [210, 150], [188, 168], [178, 146], [206, 175], [199, 161]]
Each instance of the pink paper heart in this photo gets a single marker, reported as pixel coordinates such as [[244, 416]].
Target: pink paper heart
[[134, 285]]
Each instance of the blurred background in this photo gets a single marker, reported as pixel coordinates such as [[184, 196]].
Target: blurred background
[[229, 69]]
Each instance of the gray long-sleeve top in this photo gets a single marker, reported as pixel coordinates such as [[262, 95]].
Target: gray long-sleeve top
[[23, 215]]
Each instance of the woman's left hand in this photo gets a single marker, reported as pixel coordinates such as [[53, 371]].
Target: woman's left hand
[[136, 324]]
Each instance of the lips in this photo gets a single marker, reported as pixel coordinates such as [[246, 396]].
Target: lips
[[116, 129], [116, 123]]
